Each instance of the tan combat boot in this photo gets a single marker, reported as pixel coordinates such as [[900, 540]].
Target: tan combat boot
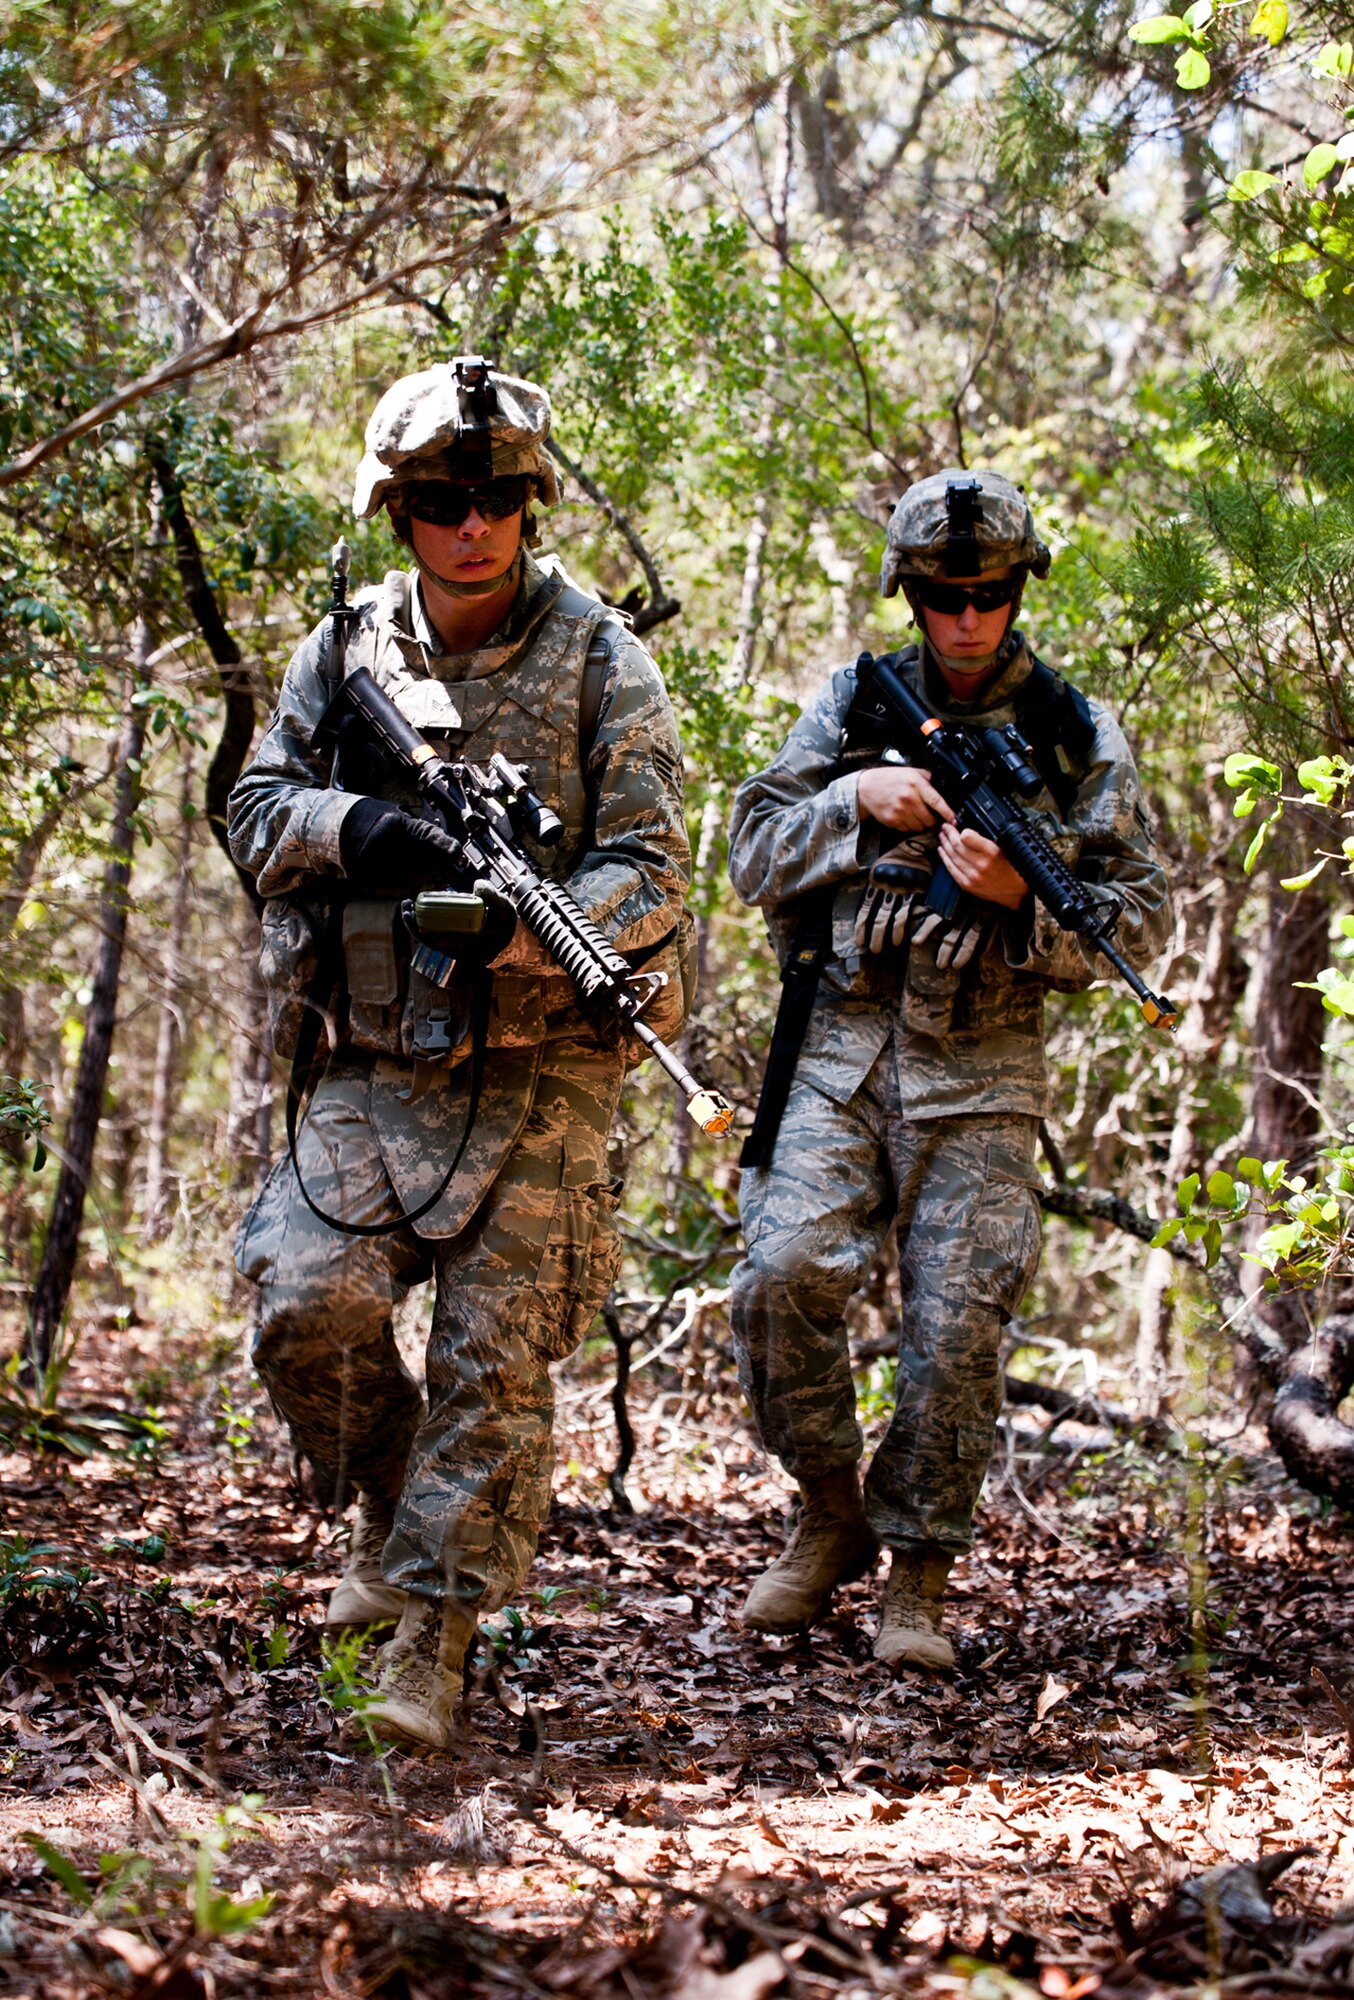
[[361, 1597], [910, 1613], [831, 1544], [422, 1675]]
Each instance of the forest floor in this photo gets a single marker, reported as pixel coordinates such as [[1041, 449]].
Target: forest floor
[[1146, 1716]]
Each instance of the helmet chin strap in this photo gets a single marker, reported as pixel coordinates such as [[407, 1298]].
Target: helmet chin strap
[[974, 664], [481, 587]]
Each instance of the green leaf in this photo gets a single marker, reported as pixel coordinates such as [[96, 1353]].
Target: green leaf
[[1334, 59], [1186, 1192], [1305, 880], [1249, 184], [1159, 28], [1221, 1189], [1198, 14], [1336, 989], [1192, 69], [1212, 1244], [1294, 253], [59, 1864], [1318, 163], [1256, 773], [1323, 777], [1270, 19], [1250, 1170], [1278, 1243], [1167, 1231], [1257, 847]]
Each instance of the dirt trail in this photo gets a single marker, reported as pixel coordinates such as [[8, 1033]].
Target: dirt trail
[[647, 1799]]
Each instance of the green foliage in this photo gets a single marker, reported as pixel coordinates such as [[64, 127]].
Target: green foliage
[[1204, 1213], [127, 1879], [1192, 67], [34, 1414], [28, 1571], [23, 1110]]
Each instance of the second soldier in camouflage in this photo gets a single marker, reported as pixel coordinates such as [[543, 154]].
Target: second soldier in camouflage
[[918, 1090]]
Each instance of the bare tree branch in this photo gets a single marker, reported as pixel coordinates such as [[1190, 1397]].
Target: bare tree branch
[[661, 606], [248, 331]]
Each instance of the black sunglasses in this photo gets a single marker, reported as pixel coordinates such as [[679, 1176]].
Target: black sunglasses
[[444, 505], [953, 599]]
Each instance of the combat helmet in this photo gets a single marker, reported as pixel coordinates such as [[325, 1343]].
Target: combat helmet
[[960, 523], [460, 420]]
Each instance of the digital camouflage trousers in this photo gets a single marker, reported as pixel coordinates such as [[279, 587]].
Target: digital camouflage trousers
[[961, 1191], [468, 1477]]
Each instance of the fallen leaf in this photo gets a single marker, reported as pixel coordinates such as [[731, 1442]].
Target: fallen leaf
[[1050, 1694]]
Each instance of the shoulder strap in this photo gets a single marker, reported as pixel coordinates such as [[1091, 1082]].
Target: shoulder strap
[[799, 988], [606, 636], [1056, 720]]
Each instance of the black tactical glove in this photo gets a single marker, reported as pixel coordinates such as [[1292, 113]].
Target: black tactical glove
[[387, 852]]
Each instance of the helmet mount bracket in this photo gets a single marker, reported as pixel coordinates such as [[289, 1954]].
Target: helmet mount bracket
[[479, 403], [963, 512]]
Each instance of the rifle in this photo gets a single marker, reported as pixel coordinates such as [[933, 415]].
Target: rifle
[[482, 812], [983, 775]]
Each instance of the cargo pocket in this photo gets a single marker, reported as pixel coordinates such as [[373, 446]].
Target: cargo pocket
[[289, 950], [578, 1267], [1008, 1230], [260, 1233], [529, 1499]]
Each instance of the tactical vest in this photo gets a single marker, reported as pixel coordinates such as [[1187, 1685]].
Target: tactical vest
[[528, 709]]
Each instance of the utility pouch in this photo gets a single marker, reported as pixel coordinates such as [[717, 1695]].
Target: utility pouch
[[375, 961], [289, 949], [929, 992]]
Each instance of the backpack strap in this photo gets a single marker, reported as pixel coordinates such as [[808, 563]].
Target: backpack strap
[[1056, 721], [606, 636]]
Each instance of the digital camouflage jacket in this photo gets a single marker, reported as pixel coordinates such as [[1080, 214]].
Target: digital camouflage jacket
[[624, 854], [969, 1040]]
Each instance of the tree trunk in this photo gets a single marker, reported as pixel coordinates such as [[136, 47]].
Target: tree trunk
[[17, 1223], [754, 562], [1317, 1449], [155, 1209], [1205, 1023], [248, 1134], [51, 1292]]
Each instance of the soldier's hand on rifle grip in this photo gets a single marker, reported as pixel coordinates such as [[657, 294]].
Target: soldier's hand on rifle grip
[[387, 852], [980, 868], [901, 796]]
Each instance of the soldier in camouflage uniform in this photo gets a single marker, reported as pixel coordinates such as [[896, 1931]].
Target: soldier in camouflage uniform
[[922, 1078], [484, 648]]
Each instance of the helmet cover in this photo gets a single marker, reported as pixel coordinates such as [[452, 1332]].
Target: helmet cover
[[461, 419], [960, 523]]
